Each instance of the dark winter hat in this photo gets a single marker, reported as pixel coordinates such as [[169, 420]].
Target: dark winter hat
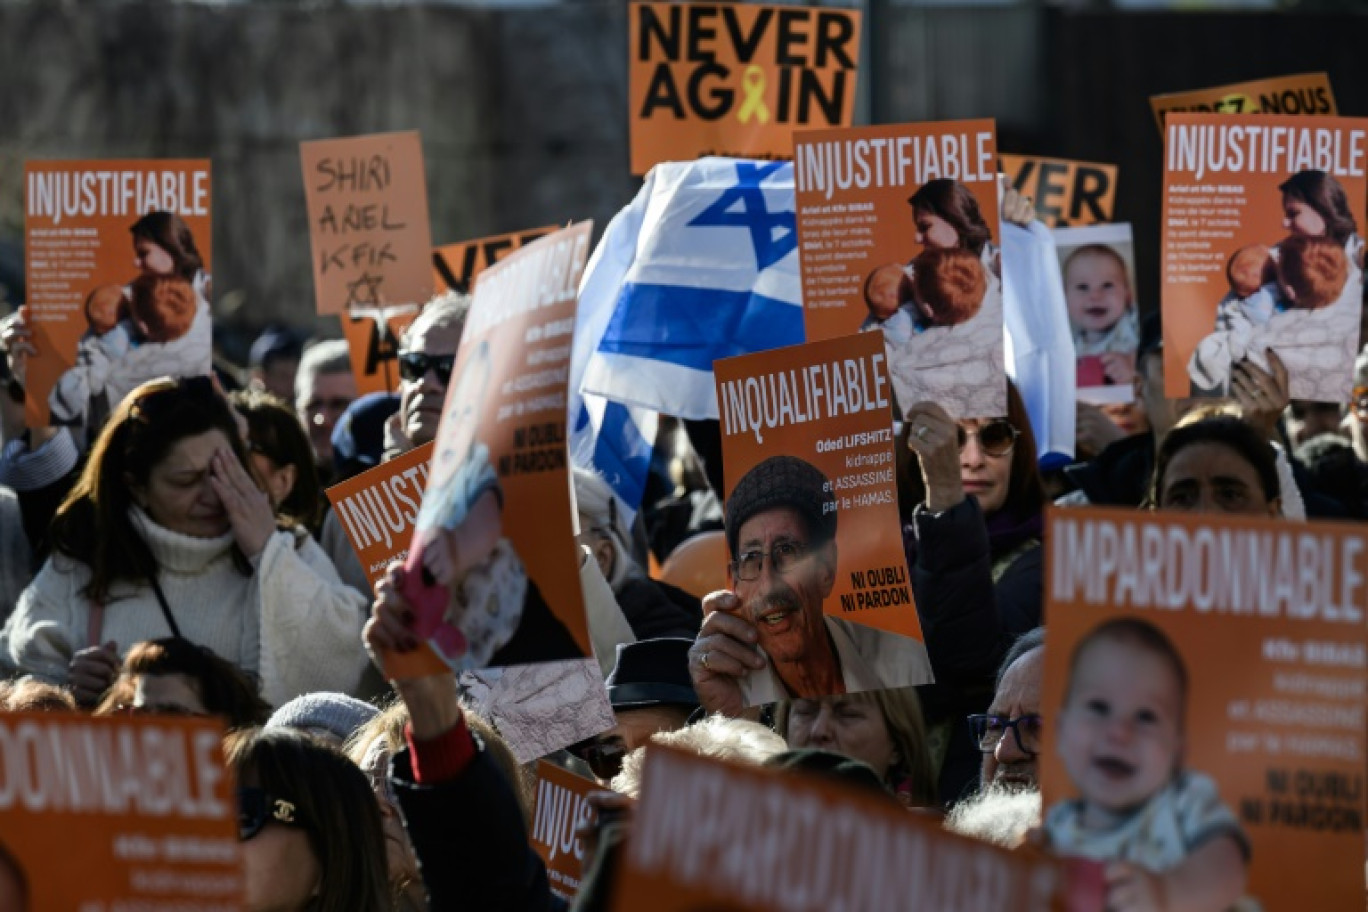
[[359, 436], [831, 766], [783, 481], [275, 342], [652, 673]]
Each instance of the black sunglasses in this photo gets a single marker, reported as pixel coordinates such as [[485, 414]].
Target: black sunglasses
[[256, 809], [413, 366], [150, 406]]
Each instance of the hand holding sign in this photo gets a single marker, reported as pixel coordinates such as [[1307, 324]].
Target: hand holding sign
[[934, 437], [91, 672], [723, 654]]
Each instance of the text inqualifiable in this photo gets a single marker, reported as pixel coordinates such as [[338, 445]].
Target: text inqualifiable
[[783, 398]]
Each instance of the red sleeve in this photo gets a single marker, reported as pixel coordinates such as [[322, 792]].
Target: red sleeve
[[443, 758]]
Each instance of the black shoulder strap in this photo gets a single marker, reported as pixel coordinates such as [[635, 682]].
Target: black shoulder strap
[[165, 608]]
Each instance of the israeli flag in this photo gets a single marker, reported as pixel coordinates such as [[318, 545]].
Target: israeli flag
[[701, 265], [705, 267]]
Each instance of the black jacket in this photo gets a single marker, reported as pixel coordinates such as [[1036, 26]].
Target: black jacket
[[468, 833]]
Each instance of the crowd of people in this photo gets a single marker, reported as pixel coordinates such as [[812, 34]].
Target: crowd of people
[[184, 560]]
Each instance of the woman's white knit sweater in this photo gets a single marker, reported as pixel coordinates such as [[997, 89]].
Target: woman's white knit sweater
[[292, 623]]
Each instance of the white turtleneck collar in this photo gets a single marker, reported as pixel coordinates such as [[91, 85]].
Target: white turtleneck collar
[[177, 552]]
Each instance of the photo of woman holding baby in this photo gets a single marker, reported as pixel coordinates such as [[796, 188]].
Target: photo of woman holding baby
[[157, 325], [1296, 301], [927, 308]]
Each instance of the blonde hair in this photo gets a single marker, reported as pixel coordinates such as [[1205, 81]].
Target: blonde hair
[[717, 737], [902, 716]]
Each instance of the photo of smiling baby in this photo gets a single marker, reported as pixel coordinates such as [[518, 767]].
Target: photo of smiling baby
[[1121, 735], [1097, 264]]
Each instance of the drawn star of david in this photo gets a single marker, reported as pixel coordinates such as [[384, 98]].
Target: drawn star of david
[[365, 290], [773, 234]]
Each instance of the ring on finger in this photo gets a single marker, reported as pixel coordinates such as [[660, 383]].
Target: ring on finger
[[921, 432], [703, 660]]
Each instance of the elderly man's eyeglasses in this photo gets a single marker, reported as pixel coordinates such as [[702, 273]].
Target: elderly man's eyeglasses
[[989, 730], [782, 557], [996, 438], [413, 366]]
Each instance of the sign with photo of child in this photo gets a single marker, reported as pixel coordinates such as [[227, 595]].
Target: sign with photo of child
[[116, 812], [1097, 264], [1204, 698], [720, 836], [898, 230], [1304, 94], [1262, 259], [811, 484], [1065, 192], [491, 572], [735, 79], [117, 255]]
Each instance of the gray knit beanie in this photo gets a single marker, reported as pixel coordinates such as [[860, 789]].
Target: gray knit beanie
[[334, 713], [783, 481]]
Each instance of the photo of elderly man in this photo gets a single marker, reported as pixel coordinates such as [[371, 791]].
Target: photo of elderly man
[[768, 637]]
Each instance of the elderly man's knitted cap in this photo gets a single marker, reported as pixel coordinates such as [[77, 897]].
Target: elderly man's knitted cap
[[334, 713], [782, 481]]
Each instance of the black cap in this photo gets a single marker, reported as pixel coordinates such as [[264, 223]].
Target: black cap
[[831, 766], [782, 481], [275, 342], [358, 438], [652, 673]]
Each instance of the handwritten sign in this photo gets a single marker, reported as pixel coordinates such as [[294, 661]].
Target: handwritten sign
[[368, 221], [1065, 192], [736, 79], [455, 266]]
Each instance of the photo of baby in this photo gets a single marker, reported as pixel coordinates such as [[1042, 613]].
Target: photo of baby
[[1121, 737], [477, 606], [942, 311], [1097, 264], [1299, 298], [159, 324]]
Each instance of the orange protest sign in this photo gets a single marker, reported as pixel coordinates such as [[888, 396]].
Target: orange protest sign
[[368, 221], [720, 836], [1065, 192], [1306, 93], [117, 256], [116, 812], [735, 79], [560, 811], [1262, 250], [495, 536], [898, 230], [378, 509], [807, 442], [1186, 649], [1097, 263], [455, 266], [372, 335]]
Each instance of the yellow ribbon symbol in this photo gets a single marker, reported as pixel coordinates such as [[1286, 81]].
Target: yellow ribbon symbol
[[753, 84]]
